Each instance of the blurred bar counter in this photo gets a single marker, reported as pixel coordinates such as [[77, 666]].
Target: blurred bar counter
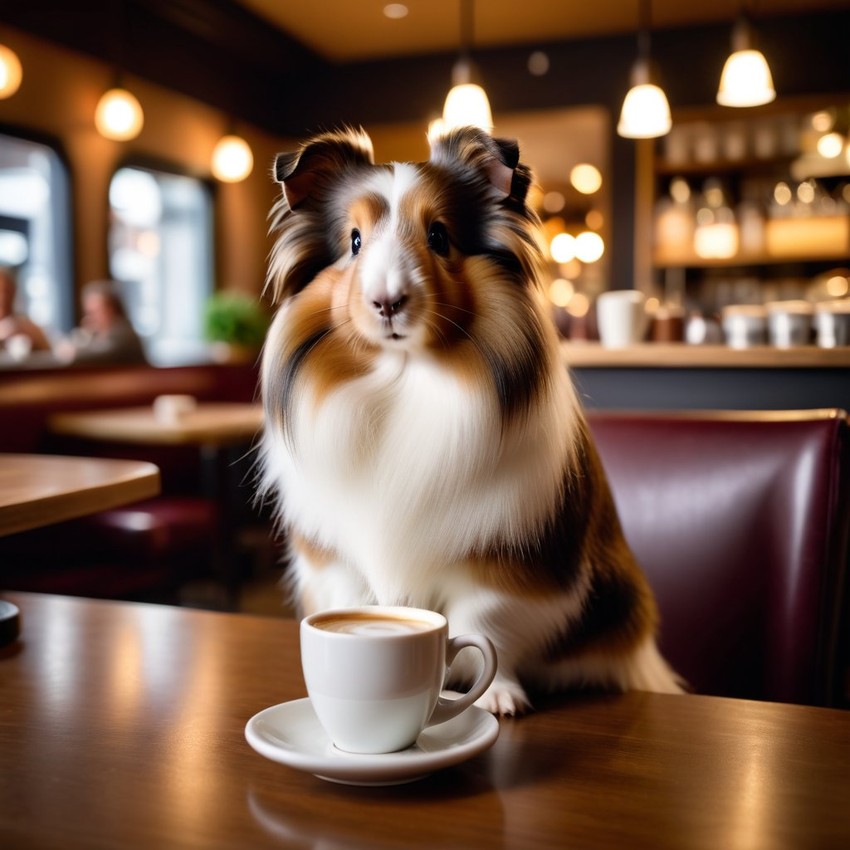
[[658, 376]]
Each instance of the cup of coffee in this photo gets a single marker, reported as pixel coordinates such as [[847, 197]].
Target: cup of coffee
[[375, 674], [622, 318]]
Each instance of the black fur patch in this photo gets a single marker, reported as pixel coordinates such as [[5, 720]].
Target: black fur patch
[[516, 379], [281, 394], [610, 607]]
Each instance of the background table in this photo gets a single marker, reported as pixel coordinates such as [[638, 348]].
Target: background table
[[210, 423], [122, 725], [215, 428], [37, 490]]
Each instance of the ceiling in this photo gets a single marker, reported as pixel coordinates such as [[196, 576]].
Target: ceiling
[[352, 30], [345, 32]]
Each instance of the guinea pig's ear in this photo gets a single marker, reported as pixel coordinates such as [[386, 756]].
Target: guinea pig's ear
[[319, 161], [496, 159]]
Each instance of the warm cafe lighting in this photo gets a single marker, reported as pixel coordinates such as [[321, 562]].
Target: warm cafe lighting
[[119, 115], [11, 73], [232, 159], [585, 178], [561, 292], [746, 78], [646, 112], [589, 246], [466, 103], [563, 247], [830, 145]]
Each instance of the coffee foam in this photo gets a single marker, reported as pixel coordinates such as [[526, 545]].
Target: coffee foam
[[371, 624]]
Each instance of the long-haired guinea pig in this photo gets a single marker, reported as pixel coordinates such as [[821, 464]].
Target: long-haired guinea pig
[[423, 443]]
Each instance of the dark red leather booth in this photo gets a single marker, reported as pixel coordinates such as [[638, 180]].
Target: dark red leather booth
[[740, 521]]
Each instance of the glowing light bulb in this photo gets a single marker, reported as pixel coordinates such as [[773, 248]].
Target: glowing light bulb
[[645, 113], [562, 247], [119, 116], [467, 105], [589, 246], [232, 159], [11, 73]]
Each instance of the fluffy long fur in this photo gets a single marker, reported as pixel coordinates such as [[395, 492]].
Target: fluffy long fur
[[423, 443]]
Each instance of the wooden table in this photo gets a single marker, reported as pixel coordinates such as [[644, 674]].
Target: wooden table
[[37, 490], [121, 725], [210, 423], [214, 427]]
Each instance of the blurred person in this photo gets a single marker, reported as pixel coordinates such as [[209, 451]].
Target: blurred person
[[18, 333], [105, 333]]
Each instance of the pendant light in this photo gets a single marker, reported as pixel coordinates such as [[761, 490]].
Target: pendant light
[[10, 71], [645, 113], [466, 104], [746, 79], [232, 159], [119, 115]]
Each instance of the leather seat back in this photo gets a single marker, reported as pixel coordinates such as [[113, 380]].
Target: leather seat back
[[740, 521]]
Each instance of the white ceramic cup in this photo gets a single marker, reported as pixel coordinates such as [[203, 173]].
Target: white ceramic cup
[[744, 325], [170, 409], [789, 323], [374, 674], [19, 346], [832, 321], [622, 317]]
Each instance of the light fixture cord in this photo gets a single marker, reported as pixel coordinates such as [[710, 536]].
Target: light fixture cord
[[644, 28], [467, 25]]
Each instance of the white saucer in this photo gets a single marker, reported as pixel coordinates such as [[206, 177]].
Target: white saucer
[[290, 733]]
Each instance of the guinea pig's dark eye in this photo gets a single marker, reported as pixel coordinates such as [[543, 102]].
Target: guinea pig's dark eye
[[356, 241], [438, 239]]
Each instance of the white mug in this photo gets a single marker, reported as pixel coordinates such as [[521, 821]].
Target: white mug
[[744, 325], [19, 346], [832, 321], [374, 674], [170, 409], [622, 318], [789, 323]]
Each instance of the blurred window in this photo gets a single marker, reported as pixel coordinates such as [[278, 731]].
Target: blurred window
[[160, 251], [35, 236]]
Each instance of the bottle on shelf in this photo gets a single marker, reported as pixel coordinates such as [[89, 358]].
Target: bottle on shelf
[[674, 221], [716, 233]]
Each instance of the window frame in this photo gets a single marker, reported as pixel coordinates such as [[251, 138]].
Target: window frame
[[62, 212], [142, 162]]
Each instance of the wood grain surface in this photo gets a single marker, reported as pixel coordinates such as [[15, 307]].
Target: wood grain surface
[[121, 725]]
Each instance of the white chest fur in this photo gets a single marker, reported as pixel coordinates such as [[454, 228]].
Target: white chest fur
[[404, 472]]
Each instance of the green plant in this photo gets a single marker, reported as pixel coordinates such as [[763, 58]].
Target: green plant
[[235, 318]]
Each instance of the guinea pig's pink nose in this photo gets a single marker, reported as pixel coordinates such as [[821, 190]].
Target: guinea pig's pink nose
[[388, 308]]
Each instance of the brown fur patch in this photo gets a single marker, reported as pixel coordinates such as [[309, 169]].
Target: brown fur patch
[[584, 537], [366, 210], [620, 609], [337, 357]]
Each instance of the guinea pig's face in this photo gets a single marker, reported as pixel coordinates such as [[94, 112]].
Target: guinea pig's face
[[405, 281], [405, 256]]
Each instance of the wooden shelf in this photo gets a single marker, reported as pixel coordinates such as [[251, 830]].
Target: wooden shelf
[[747, 165], [683, 356], [817, 239], [693, 262]]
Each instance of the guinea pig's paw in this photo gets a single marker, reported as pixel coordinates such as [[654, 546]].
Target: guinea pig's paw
[[504, 697]]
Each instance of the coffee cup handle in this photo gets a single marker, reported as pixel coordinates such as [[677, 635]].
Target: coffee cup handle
[[448, 708]]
